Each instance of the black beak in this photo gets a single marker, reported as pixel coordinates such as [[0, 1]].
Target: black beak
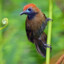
[[24, 12]]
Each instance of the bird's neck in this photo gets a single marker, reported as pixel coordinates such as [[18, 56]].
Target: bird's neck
[[31, 16]]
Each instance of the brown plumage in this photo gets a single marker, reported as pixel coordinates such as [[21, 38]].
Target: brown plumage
[[35, 24]]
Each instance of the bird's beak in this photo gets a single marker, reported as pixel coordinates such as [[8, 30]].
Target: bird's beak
[[24, 12]]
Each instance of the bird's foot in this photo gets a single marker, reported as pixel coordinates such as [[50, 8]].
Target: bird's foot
[[47, 45], [48, 19]]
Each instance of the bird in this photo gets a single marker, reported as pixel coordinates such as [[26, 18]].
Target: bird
[[35, 24]]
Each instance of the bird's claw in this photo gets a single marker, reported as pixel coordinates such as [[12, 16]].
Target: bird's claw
[[47, 45], [48, 19]]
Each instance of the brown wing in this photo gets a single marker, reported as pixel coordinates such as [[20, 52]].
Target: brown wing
[[43, 38], [29, 34]]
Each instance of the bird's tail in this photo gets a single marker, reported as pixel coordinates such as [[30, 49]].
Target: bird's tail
[[41, 48]]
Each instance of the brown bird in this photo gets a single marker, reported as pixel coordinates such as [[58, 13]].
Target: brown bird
[[35, 24]]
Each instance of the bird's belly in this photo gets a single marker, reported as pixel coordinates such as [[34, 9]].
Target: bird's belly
[[36, 31]]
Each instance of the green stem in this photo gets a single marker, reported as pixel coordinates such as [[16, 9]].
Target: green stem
[[3, 27], [1, 53], [0, 19], [5, 23], [49, 32]]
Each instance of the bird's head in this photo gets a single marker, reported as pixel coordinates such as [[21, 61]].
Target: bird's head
[[31, 10]]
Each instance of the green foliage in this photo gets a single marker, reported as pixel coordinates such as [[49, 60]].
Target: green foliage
[[15, 47]]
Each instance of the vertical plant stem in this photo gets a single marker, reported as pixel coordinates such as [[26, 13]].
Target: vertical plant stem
[[0, 20], [1, 53], [49, 32]]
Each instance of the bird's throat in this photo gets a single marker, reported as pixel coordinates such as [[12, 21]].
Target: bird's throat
[[31, 16]]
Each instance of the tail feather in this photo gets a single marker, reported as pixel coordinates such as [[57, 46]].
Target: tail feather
[[41, 49], [40, 44]]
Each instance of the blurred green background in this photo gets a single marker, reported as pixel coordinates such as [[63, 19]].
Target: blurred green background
[[14, 45]]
